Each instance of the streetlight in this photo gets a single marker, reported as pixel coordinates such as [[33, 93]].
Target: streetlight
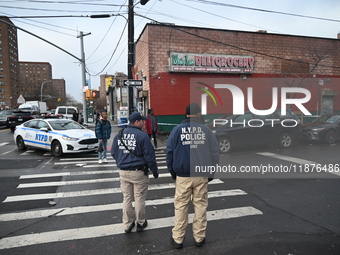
[[41, 87]]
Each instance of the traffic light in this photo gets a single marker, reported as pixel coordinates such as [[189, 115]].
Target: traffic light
[[88, 94], [92, 94], [59, 99], [95, 94], [143, 2]]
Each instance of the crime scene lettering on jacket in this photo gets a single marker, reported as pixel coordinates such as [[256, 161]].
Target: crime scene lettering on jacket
[[40, 137], [192, 136], [130, 142]]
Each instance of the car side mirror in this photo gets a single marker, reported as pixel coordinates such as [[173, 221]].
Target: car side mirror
[[44, 129]]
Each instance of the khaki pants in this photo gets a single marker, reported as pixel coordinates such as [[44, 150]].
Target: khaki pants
[[197, 188], [134, 185]]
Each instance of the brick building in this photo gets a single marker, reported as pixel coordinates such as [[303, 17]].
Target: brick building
[[36, 83], [9, 68], [32, 75], [177, 63]]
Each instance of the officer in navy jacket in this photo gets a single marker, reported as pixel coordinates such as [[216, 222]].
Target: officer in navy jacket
[[134, 154], [191, 149]]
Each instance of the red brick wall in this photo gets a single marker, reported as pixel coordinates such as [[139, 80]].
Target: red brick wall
[[169, 92]]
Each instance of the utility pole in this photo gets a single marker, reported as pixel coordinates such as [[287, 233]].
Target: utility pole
[[131, 52], [83, 71]]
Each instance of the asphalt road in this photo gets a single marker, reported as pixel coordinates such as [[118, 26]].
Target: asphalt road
[[72, 205]]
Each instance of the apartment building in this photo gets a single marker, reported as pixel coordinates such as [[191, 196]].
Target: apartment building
[[9, 68]]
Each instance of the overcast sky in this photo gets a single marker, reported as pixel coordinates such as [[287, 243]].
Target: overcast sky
[[106, 46]]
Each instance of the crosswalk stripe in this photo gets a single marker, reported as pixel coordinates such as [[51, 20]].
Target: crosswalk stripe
[[34, 214], [114, 229], [82, 162], [85, 193], [65, 183], [33, 176], [78, 159], [94, 160], [28, 152], [4, 143]]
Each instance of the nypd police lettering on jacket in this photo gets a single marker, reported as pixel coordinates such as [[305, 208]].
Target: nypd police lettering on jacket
[[129, 140], [190, 144], [192, 136]]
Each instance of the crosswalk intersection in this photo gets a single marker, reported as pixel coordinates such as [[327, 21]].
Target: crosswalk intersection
[[85, 179]]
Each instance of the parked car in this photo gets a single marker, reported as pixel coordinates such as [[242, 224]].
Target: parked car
[[3, 117], [326, 128], [51, 112], [56, 135], [67, 111], [18, 117], [249, 130]]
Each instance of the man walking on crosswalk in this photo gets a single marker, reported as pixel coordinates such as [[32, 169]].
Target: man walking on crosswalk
[[189, 145], [134, 155]]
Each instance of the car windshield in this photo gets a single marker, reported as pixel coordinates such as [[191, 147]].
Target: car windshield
[[65, 125], [6, 112], [21, 114], [333, 119]]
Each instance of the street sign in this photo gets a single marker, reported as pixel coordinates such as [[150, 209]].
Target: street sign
[[133, 83], [21, 100]]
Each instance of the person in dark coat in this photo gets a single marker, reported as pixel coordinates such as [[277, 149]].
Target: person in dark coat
[[191, 146], [75, 116], [151, 126], [103, 132], [134, 155]]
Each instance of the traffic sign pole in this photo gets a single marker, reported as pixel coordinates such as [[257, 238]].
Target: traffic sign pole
[[133, 83]]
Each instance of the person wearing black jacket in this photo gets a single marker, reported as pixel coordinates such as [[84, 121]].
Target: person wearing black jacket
[[103, 132], [134, 155], [75, 116], [190, 145]]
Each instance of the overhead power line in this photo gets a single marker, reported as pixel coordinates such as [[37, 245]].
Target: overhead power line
[[230, 45], [260, 10]]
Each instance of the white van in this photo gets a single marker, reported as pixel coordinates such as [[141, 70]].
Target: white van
[[67, 111]]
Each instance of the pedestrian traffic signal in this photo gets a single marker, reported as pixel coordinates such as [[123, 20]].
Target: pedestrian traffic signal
[[92, 94], [95, 93]]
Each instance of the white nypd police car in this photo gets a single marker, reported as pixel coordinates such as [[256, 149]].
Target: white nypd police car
[[56, 135]]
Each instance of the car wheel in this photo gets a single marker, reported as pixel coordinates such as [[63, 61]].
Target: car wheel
[[330, 136], [286, 140], [57, 150], [225, 145], [21, 144], [12, 129]]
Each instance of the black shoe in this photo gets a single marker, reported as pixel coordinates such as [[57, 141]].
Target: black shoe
[[141, 228], [130, 228], [201, 243], [176, 245]]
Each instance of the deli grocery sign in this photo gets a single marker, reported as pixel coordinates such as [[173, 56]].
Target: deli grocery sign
[[188, 62]]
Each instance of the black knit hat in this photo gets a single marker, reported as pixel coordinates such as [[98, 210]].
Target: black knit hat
[[192, 109]]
